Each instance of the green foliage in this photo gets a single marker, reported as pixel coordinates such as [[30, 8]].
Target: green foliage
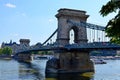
[[113, 26], [115, 40], [118, 55], [0, 51], [6, 51], [110, 7]]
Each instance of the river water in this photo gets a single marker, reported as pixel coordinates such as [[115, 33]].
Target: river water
[[13, 70]]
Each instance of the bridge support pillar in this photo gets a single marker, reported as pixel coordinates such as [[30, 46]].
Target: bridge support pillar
[[76, 62], [70, 62], [23, 57]]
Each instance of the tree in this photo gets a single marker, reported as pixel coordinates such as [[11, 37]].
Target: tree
[[113, 27], [0, 51], [7, 51]]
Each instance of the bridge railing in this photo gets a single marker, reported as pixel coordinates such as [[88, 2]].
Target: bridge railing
[[94, 45]]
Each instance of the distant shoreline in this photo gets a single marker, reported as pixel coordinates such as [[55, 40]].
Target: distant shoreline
[[5, 57]]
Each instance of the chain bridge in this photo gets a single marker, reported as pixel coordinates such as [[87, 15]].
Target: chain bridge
[[72, 56]]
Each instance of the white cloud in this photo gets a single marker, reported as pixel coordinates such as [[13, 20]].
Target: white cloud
[[10, 5]]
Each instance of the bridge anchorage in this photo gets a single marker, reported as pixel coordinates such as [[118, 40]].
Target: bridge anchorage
[[70, 58]]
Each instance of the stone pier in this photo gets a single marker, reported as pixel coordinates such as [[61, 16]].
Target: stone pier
[[70, 61], [75, 62], [25, 57]]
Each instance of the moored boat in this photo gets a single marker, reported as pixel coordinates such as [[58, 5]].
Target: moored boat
[[98, 61]]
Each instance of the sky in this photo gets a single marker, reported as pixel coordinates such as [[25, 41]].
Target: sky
[[35, 19]]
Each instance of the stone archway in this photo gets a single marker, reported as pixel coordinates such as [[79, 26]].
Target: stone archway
[[75, 34], [64, 27]]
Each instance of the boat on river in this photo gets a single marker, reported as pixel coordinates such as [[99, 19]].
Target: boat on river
[[98, 61], [42, 57]]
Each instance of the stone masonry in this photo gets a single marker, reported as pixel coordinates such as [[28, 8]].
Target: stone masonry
[[70, 61], [64, 28]]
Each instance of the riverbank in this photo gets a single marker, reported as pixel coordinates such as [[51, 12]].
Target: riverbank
[[106, 57], [5, 57]]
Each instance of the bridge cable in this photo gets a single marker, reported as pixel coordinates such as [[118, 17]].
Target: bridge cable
[[89, 31], [50, 37], [90, 35], [97, 36], [87, 25], [102, 36], [94, 35]]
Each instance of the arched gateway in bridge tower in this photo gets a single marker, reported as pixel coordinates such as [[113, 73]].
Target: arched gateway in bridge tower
[[64, 28], [70, 61]]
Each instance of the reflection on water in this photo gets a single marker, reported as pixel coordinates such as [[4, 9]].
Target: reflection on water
[[13, 70], [67, 77], [30, 71]]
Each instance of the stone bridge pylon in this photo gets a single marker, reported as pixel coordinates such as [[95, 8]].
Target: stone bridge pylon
[[68, 61], [64, 28]]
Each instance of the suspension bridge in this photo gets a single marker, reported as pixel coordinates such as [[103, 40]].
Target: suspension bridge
[[86, 37], [91, 45]]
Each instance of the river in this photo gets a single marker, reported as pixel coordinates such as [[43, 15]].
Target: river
[[13, 70]]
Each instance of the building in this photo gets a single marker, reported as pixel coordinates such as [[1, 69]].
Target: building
[[24, 43]]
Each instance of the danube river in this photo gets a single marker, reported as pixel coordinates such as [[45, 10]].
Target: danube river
[[13, 70]]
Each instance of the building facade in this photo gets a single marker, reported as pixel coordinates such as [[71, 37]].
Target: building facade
[[24, 43]]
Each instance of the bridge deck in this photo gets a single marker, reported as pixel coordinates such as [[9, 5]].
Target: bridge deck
[[69, 47]]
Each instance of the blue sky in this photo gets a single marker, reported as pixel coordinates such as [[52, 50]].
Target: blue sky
[[35, 19]]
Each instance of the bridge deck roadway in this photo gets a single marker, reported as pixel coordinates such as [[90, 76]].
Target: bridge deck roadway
[[72, 47]]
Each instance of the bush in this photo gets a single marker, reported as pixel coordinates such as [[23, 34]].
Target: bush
[[6, 51]]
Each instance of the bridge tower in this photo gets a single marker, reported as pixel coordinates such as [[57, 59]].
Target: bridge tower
[[64, 28], [70, 61]]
